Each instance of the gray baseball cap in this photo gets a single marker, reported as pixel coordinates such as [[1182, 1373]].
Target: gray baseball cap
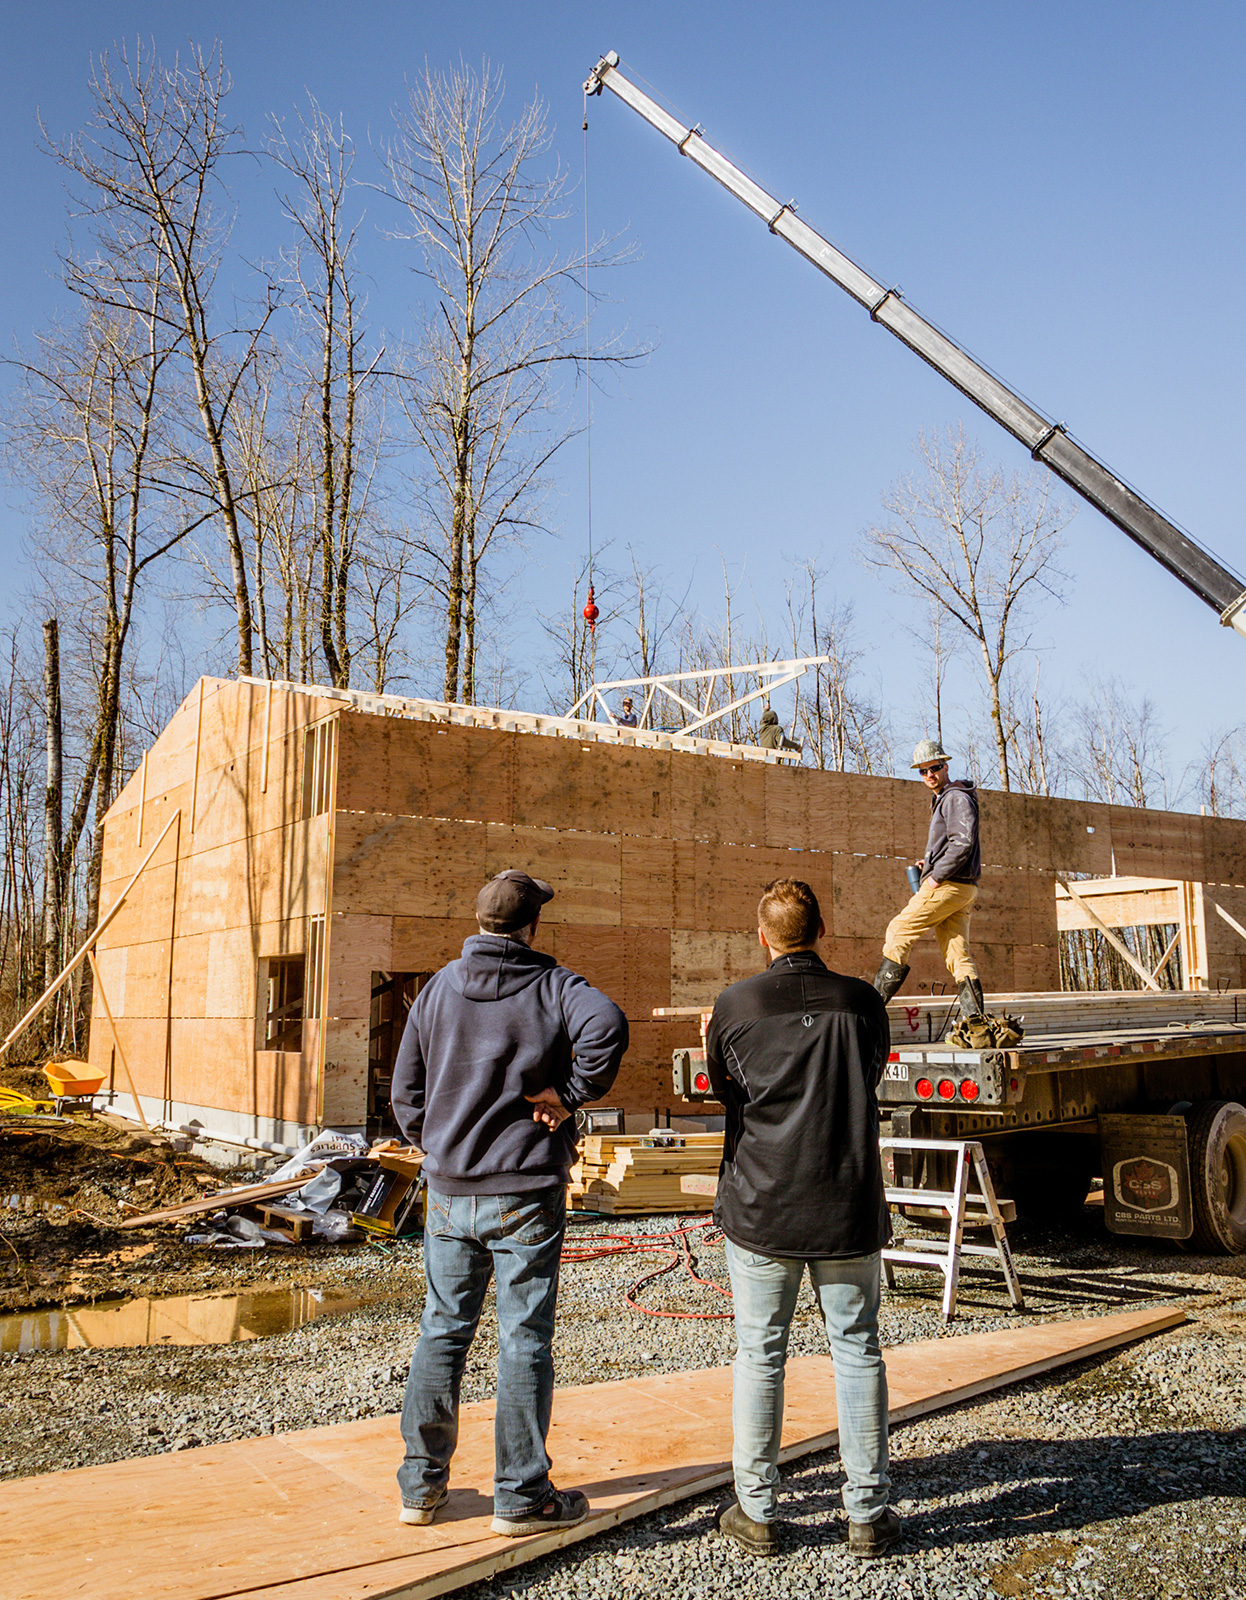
[[510, 901]]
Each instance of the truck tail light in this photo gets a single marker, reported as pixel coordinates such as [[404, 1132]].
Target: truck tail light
[[924, 1088], [947, 1089], [701, 1082], [969, 1089]]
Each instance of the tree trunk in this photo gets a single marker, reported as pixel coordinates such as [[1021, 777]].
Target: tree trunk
[[53, 804]]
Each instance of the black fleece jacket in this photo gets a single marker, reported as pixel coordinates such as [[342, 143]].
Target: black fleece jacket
[[795, 1055], [501, 1022]]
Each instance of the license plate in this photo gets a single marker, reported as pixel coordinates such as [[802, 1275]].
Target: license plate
[[895, 1072]]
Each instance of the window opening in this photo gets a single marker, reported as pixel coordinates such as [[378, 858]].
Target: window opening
[[283, 1020], [317, 768]]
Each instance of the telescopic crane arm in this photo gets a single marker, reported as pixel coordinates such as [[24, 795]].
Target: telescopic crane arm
[[1045, 440]]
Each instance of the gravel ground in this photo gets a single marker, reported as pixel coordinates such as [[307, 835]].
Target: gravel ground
[[1122, 1477]]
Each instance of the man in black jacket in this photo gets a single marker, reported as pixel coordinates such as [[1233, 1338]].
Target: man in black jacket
[[499, 1051], [950, 870], [795, 1055]]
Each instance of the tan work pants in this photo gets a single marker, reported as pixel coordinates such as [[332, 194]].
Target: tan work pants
[[943, 907]]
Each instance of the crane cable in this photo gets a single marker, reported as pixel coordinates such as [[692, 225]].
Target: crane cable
[[590, 609]]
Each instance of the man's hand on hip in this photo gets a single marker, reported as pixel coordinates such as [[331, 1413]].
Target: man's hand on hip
[[548, 1108]]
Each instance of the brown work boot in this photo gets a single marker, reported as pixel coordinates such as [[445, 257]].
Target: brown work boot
[[870, 1539], [758, 1538]]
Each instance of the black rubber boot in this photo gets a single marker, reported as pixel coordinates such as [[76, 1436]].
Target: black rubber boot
[[889, 977], [971, 1002]]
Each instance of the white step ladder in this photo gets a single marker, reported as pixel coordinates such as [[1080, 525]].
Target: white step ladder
[[960, 1204]]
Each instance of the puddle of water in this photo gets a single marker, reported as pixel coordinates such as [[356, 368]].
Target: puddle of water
[[171, 1319]]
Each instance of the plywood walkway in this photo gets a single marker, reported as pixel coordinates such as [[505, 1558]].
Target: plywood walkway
[[313, 1515]]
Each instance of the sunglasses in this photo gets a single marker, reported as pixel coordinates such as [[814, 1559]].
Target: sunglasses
[[939, 768]]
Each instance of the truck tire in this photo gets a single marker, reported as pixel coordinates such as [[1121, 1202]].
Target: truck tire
[[1216, 1134]]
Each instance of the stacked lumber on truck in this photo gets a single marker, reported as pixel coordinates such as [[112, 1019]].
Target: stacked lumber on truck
[[627, 1175], [922, 1019]]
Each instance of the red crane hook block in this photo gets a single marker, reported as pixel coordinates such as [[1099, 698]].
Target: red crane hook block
[[591, 612]]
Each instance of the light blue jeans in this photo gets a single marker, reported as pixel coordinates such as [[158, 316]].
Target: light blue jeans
[[515, 1239], [765, 1289]]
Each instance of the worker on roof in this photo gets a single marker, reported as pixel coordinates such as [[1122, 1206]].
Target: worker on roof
[[771, 736], [501, 1048], [627, 716], [795, 1055], [949, 870]]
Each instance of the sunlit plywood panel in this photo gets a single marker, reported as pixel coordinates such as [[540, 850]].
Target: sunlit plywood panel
[[583, 869], [408, 866], [703, 964], [426, 944]]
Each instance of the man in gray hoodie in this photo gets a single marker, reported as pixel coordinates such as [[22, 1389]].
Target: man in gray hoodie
[[500, 1049], [950, 870]]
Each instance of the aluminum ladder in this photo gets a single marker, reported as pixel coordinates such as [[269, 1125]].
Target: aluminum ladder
[[960, 1204]]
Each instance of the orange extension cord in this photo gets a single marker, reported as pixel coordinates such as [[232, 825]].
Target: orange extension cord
[[675, 1245]]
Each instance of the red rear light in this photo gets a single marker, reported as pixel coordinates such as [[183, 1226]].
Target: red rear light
[[924, 1088], [701, 1082], [968, 1089], [947, 1089]]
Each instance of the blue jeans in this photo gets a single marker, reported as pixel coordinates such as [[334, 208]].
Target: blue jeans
[[468, 1239], [848, 1290]]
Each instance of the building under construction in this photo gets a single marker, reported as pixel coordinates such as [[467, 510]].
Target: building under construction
[[317, 855]]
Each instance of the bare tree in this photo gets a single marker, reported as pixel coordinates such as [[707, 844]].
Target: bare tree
[[841, 727], [1038, 762], [341, 426], [1119, 754], [86, 436], [22, 907], [980, 547], [1222, 774], [145, 169], [480, 391]]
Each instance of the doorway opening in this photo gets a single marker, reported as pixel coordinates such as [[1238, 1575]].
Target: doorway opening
[[393, 994]]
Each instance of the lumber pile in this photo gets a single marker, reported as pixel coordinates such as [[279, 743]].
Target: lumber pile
[[621, 1175], [919, 1019]]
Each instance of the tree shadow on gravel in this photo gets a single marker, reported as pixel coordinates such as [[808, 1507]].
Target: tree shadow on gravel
[[1022, 1487]]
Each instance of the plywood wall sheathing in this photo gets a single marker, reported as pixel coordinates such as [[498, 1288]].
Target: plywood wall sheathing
[[658, 856]]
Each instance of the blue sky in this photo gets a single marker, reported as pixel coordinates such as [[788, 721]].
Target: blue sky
[[1061, 191]]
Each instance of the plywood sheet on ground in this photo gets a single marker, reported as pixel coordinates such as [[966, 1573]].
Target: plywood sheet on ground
[[312, 1515]]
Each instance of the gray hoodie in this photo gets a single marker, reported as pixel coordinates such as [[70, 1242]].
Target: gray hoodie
[[500, 1023], [952, 854]]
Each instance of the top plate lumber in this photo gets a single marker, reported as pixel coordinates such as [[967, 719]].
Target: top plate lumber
[[313, 1515]]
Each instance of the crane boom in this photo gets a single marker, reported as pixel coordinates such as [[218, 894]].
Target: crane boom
[[1046, 441]]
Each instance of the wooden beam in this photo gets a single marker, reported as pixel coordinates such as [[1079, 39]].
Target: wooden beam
[[1167, 955], [112, 1028], [1121, 949], [194, 785], [66, 973], [1232, 921]]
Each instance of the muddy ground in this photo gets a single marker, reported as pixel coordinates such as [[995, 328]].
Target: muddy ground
[[1122, 1477]]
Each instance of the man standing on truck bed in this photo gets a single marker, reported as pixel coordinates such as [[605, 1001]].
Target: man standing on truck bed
[[500, 1049], [950, 870]]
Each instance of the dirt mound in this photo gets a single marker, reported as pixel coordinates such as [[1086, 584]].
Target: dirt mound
[[68, 1183]]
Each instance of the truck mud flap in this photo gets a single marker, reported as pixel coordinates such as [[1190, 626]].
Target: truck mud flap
[[1146, 1175]]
